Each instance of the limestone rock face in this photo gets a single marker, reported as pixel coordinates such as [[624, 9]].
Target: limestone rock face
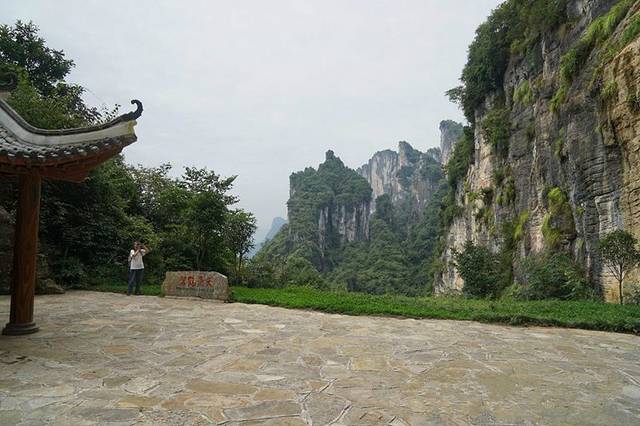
[[203, 284], [349, 222], [404, 175], [587, 149], [45, 284], [450, 133]]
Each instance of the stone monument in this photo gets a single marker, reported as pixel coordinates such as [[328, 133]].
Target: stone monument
[[206, 285]]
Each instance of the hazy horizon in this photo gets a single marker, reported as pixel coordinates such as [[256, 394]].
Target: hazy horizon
[[261, 90]]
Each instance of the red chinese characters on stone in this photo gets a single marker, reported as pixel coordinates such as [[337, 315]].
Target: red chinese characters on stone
[[191, 281]]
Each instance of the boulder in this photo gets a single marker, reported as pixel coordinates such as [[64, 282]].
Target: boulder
[[203, 284]]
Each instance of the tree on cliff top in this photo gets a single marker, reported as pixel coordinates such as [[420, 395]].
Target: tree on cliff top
[[620, 255]]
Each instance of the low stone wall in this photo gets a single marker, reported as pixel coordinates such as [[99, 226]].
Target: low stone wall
[[203, 284]]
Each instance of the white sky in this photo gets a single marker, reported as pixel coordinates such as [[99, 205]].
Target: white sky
[[263, 88]]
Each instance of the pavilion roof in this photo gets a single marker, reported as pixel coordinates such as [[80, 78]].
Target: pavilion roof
[[68, 154]]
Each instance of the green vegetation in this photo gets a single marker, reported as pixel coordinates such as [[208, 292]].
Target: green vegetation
[[496, 131], [558, 149], [461, 158], [518, 229], [507, 193], [620, 254], [578, 314], [396, 257], [523, 94], [596, 34], [559, 97], [552, 276], [146, 289], [609, 93], [557, 225], [480, 270], [87, 229], [513, 27]]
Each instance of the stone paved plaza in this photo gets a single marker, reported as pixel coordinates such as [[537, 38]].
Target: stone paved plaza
[[110, 359]]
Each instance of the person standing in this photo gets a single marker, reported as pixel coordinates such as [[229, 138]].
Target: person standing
[[136, 267]]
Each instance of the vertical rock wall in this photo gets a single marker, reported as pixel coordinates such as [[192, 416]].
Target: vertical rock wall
[[585, 149]]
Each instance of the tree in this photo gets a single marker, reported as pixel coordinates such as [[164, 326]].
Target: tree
[[240, 227], [620, 255], [206, 213], [480, 270], [42, 97]]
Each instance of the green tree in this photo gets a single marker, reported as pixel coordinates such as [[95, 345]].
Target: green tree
[[480, 270], [240, 227], [206, 213], [620, 255]]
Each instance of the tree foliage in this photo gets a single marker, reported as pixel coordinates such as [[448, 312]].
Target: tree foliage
[[515, 26], [86, 229], [480, 268], [619, 253]]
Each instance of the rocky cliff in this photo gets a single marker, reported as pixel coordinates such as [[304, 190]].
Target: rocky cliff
[[327, 208], [556, 159], [409, 177], [450, 133]]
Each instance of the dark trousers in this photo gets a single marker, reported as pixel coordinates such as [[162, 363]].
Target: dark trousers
[[135, 278]]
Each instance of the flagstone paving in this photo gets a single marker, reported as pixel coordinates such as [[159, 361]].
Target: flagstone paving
[[105, 358]]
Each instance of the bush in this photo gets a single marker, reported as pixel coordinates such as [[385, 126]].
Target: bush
[[597, 33], [558, 225], [480, 270], [552, 276], [461, 158], [496, 130], [523, 94], [260, 275]]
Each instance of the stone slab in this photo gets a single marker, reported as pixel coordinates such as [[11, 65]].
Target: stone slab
[[176, 361], [202, 284]]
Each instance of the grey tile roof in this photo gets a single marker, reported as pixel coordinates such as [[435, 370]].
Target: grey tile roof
[[27, 149], [16, 150]]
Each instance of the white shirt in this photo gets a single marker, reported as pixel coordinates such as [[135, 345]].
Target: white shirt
[[135, 260]]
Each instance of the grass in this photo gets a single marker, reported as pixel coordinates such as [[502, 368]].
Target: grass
[[585, 315], [146, 289]]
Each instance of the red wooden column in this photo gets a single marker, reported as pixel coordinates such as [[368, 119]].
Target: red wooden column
[[25, 257]]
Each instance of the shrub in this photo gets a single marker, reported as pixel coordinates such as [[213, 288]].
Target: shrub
[[558, 149], [480, 270], [599, 31], [558, 224], [559, 97], [552, 276], [461, 158], [633, 102], [496, 130], [609, 93], [518, 229], [523, 93]]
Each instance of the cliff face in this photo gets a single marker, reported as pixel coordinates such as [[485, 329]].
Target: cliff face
[[573, 148], [408, 176], [450, 133], [328, 208]]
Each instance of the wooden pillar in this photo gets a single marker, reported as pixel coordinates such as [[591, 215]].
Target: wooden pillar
[[25, 251]]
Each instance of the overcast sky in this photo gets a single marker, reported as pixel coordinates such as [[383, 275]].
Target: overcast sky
[[262, 88]]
